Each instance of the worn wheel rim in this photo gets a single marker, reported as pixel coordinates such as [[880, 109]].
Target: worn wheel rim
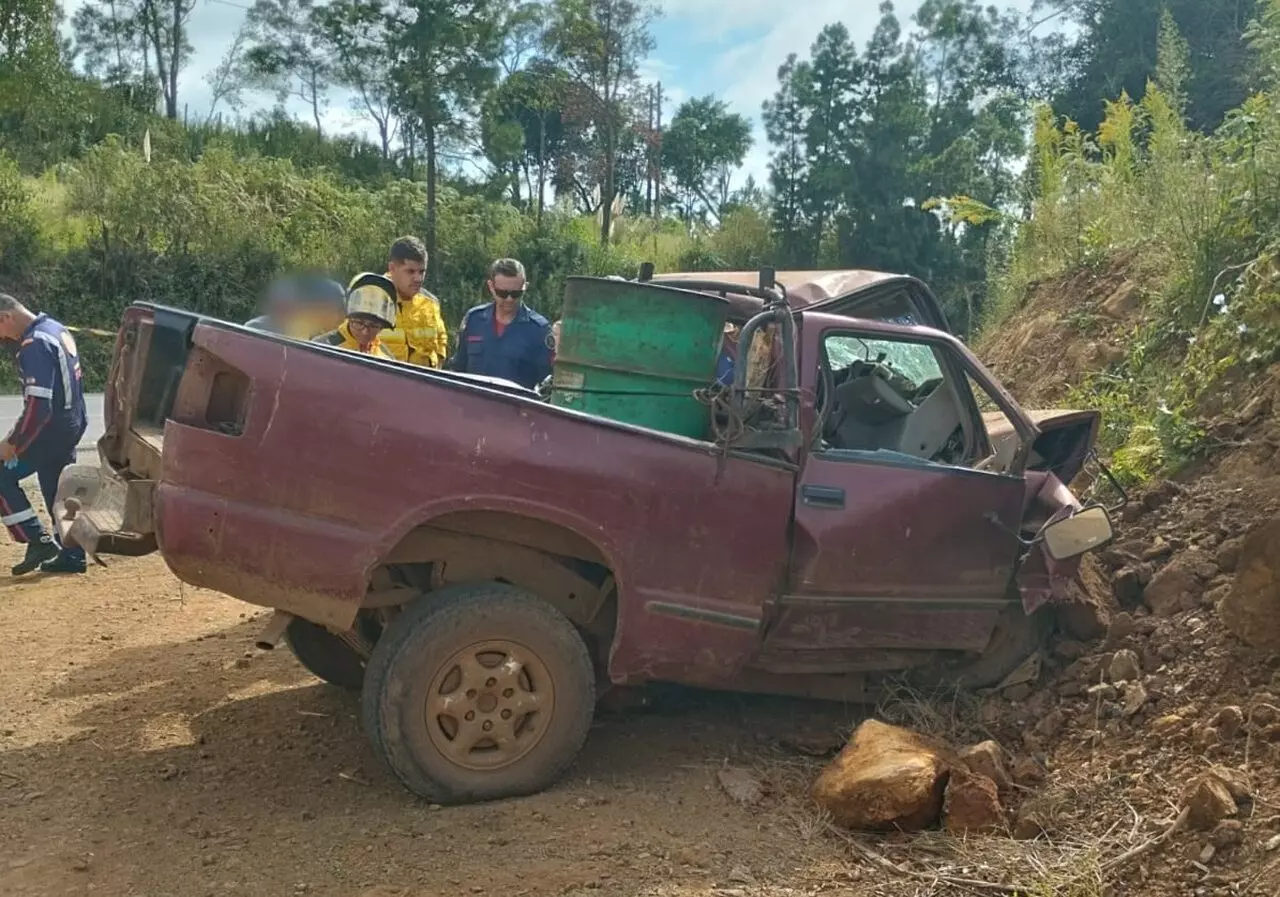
[[489, 705]]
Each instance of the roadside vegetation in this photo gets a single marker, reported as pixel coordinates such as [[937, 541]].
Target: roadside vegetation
[[1192, 216]]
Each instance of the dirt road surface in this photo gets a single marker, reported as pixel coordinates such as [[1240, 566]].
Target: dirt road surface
[[147, 749]]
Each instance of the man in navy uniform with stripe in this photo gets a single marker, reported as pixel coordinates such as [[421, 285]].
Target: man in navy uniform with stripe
[[44, 439]]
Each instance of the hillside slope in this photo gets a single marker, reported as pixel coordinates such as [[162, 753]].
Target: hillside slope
[[1119, 735]]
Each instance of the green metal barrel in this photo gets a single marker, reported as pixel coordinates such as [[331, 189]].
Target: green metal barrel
[[635, 352]]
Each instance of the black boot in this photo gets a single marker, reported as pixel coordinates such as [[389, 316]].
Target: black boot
[[38, 551], [66, 562]]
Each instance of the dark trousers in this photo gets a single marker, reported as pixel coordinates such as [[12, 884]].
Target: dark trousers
[[15, 509]]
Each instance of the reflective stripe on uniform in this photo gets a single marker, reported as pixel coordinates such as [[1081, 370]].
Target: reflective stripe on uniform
[[38, 392], [19, 517], [63, 366]]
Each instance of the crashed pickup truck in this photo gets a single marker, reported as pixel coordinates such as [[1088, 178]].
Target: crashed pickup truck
[[480, 564]]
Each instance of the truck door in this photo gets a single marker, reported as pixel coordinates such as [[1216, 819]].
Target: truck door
[[900, 541]]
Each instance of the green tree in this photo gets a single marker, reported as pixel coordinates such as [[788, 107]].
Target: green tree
[[115, 37], [876, 227], [600, 44], [109, 41], [786, 122], [287, 53], [1173, 62], [833, 96], [445, 62], [701, 148], [357, 36], [525, 129], [1117, 50]]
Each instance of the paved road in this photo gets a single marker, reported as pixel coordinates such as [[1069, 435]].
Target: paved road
[[11, 407]]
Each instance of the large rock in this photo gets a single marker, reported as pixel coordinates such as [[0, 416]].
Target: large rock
[[1123, 302], [972, 804], [1088, 612], [987, 759], [1178, 585], [884, 778], [1252, 608], [1124, 667], [1209, 800]]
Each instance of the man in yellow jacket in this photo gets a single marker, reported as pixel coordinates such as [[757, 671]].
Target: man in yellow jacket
[[419, 335], [371, 310]]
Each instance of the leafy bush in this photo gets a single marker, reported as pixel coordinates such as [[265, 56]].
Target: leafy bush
[[18, 232]]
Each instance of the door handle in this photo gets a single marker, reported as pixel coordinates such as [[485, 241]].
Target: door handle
[[822, 496]]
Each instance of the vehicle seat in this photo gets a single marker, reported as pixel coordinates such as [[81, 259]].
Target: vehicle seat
[[930, 425], [869, 414]]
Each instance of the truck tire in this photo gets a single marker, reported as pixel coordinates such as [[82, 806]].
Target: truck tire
[[478, 692], [325, 655]]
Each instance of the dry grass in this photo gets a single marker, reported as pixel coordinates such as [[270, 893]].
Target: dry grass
[[946, 714]]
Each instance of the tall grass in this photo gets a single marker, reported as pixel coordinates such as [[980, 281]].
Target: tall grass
[[1201, 216]]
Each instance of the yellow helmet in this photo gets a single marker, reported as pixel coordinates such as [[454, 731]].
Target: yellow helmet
[[373, 295]]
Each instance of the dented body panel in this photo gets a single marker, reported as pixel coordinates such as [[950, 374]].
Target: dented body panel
[[290, 475]]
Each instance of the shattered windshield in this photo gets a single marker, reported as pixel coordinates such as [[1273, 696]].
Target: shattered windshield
[[913, 361]]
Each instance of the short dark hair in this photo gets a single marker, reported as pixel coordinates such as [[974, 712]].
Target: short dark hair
[[506, 268], [408, 249]]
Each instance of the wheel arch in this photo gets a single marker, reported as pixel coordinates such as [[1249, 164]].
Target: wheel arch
[[562, 558]]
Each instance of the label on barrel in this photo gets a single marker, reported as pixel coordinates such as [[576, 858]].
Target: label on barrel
[[571, 382]]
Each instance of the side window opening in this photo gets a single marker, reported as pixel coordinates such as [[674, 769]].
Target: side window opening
[[894, 397]]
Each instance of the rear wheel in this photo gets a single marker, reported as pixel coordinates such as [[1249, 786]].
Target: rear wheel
[[478, 692], [326, 655]]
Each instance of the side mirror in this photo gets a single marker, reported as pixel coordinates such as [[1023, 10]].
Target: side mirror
[[1073, 536]]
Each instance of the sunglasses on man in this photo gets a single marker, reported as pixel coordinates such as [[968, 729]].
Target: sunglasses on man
[[509, 294]]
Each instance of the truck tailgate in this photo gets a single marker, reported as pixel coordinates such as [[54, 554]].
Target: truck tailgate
[[107, 508]]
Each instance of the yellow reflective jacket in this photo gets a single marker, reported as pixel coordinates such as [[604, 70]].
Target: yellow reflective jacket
[[343, 339], [419, 336]]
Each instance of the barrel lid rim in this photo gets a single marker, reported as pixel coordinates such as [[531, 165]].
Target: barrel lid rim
[[696, 294]]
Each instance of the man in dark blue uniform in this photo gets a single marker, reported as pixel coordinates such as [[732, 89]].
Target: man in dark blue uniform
[[44, 439], [505, 338]]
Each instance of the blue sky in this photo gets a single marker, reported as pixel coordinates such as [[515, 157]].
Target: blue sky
[[730, 48]]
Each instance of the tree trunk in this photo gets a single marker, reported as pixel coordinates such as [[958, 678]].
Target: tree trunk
[[609, 89], [542, 164], [606, 212], [315, 101], [433, 264], [175, 59]]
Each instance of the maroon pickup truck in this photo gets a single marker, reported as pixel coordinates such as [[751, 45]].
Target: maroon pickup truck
[[480, 563]]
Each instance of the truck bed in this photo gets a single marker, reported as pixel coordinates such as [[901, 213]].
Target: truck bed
[[289, 473]]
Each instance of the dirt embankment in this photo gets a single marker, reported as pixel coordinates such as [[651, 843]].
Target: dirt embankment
[[1066, 329]]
